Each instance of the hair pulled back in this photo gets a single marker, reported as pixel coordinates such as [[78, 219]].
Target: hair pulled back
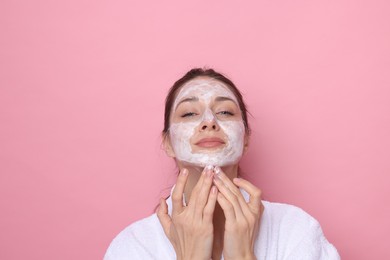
[[212, 74]]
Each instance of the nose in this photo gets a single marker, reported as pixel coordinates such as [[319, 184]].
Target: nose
[[209, 125]]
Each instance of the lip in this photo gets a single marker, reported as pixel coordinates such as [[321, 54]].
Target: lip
[[210, 142]]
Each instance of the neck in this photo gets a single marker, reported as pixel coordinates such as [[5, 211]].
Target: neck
[[194, 173]]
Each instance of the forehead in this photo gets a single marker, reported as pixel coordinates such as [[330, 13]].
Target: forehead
[[204, 89]]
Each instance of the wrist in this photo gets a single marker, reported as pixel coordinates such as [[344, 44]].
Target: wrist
[[247, 257], [192, 258], [251, 257]]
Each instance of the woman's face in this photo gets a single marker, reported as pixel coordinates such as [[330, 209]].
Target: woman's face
[[206, 126]]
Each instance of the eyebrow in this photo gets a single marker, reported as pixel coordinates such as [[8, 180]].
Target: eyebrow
[[195, 99], [225, 99], [189, 99]]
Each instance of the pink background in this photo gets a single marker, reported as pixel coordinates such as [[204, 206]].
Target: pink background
[[82, 87]]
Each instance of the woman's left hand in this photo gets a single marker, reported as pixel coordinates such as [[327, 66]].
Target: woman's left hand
[[242, 218]]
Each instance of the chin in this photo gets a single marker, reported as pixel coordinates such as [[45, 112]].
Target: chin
[[203, 160], [219, 156]]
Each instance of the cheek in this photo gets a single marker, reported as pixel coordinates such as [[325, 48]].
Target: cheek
[[235, 131], [182, 132]]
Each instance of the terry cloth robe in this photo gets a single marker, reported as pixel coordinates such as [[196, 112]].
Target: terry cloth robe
[[286, 232]]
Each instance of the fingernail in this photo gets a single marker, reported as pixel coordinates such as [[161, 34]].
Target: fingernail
[[184, 172], [209, 168], [217, 170]]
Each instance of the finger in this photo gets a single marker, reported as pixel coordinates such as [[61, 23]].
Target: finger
[[227, 207], [196, 189], [227, 182], [210, 206], [204, 191], [254, 193], [233, 188], [228, 195], [163, 217], [177, 194]]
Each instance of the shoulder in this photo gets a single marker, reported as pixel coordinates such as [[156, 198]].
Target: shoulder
[[288, 216], [297, 233], [141, 240]]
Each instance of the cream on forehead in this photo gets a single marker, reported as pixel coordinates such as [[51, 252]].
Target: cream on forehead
[[204, 89]]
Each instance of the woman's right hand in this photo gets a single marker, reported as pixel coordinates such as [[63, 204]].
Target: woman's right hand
[[190, 228]]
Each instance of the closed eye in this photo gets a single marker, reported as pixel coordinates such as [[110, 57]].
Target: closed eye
[[226, 113], [189, 114]]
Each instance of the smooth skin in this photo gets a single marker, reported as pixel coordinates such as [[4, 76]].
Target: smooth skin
[[191, 229], [217, 220], [242, 218]]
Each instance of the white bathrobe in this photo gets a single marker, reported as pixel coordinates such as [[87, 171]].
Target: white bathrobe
[[286, 232]]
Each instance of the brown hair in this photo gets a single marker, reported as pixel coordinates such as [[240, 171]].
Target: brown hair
[[199, 72]]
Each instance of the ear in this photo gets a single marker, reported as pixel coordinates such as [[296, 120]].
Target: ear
[[246, 143], [168, 146]]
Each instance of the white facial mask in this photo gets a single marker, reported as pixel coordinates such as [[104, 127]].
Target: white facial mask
[[180, 133]]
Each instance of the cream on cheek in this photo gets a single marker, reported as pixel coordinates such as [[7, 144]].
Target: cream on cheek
[[230, 154], [181, 133]]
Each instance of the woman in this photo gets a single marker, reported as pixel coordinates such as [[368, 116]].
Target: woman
[[211, 213]]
